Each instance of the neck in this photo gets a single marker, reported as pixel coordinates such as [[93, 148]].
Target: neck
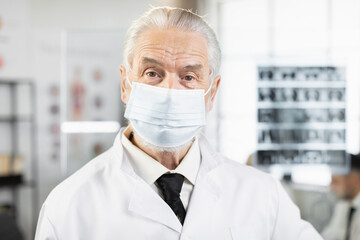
[[168, 159]]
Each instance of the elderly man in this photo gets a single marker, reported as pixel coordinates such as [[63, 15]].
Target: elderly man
[[161, 179], [345, 222]]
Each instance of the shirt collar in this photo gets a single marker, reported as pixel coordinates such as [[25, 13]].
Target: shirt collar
[[150, 170], [190, 164], [356, 202]]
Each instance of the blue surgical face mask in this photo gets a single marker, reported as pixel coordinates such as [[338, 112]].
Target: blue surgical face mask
[[166, 117]]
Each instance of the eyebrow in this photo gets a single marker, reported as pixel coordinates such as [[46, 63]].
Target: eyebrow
[[147, 60], [193, 67]]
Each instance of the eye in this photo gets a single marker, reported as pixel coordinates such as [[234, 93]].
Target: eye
[[152, 74], [189, 78]]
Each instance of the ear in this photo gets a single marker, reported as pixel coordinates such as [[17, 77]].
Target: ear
[[213, 91], [125, 92]]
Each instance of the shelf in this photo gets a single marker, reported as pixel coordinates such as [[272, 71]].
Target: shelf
[[11, 180], [10, 81], [16, 119]]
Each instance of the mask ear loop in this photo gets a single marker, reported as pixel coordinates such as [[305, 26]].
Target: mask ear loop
[[128, 81], [208, 90]]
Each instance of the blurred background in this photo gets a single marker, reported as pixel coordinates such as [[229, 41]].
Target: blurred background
[[288, 103]]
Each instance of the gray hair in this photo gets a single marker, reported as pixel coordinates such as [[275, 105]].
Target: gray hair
[[166, 17]]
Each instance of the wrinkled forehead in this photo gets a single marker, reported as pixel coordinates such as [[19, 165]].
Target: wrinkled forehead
[[171, 45]]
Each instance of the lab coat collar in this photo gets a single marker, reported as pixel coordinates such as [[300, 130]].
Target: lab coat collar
[[145, 202], [120, 156], [356, 202], [210, 159], [207, 190]]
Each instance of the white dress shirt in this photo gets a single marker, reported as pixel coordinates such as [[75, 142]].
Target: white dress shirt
[[150, 170], [336, 229]]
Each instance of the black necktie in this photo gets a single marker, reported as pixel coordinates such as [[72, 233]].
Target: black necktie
[[170, 185], [350, 215]]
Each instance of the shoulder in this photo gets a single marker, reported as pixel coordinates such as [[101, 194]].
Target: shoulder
[[232, 171], [243, 172], [85, 178], [245, 180]]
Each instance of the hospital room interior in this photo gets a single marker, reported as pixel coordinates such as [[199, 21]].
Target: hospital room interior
[[288, 102]]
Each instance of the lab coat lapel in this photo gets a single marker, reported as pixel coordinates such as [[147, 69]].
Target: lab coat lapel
[[144, 201], [206, 191]]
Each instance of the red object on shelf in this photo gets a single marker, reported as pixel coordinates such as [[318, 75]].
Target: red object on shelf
[[1, 62]]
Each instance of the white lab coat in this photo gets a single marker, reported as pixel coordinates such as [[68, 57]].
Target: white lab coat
[[107, 200]]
